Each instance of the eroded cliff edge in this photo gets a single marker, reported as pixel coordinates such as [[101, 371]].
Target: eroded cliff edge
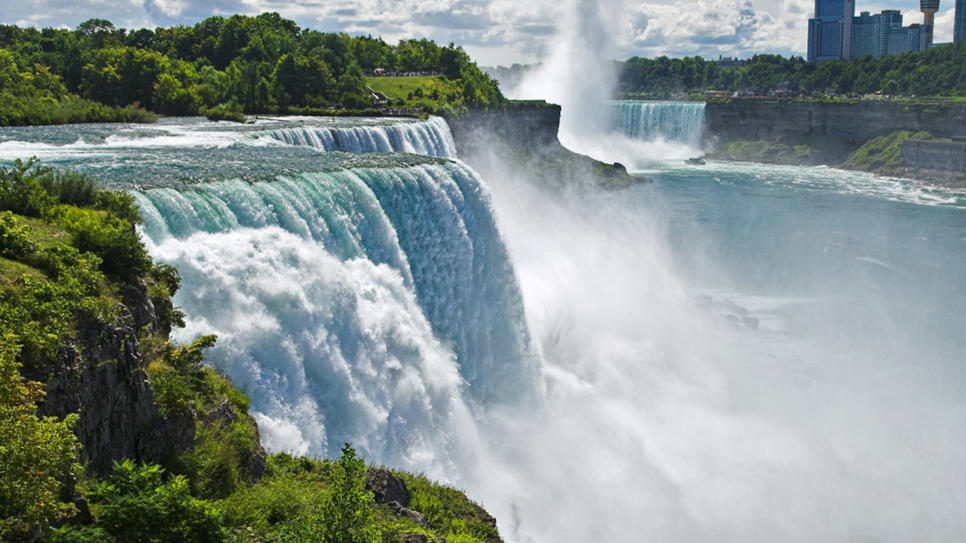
[[521, 138]]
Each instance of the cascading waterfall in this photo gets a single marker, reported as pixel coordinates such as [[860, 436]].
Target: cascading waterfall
[[431, 138], [733, 352], [681, 122], [353, 305]]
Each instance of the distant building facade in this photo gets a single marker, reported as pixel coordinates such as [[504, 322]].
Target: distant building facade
[[835, 33], [959, 30], [830, 31]]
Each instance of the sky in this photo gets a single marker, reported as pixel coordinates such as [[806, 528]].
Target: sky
[[496, 32]]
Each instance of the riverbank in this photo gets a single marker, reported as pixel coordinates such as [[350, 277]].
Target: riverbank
[[852, 135]]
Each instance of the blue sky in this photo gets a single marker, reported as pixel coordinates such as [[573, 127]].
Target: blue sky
[[496, 31]]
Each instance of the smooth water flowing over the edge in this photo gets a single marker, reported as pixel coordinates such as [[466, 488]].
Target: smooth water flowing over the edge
[[430, 138], [353, 305], [681, 122]]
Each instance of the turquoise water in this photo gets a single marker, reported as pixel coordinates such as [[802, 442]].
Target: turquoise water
[[733, 352]]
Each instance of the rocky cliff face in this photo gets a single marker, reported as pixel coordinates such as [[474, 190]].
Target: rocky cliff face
[[840, 124], [100, 375], [525, 125], [523, 138]]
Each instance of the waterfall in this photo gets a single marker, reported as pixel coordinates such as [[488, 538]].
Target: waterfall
[[370, 305], [431, 138], [681, 122]]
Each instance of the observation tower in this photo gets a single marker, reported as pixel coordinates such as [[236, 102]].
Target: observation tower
[[929, 9]]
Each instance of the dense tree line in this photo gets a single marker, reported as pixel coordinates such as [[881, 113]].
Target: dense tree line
[[939, 71], [255, 64]]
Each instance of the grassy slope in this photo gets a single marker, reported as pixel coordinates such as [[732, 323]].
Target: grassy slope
[[432, 93], [884, 153]]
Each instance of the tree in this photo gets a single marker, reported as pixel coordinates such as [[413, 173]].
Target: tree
[[347, 507], [34, 452]]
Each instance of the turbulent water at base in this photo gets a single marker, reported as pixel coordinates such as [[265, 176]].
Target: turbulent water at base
[[733, 352], [681, 122]]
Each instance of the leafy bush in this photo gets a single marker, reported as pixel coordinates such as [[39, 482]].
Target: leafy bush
[[346, 514], [276, 501], [347, 506], [21, 191], [223, 113], [34, 452], [137, 503], [43, 311], [14, 241], [108, 236]]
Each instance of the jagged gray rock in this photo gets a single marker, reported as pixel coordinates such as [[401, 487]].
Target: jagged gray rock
[[387, 487], [101, 377]]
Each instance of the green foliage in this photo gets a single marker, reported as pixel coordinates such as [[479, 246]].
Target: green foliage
[[448, 511], [137, 503], [224, 113], [882, 153], [113, 239], [179, 378], [938, 71], [21, 191], [43, 309], [34, 452], [772, 151], [346, 513], [262, 64], [14, 241], [347, 507], [276, 501]]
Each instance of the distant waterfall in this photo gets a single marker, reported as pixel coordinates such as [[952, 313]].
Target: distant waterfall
[[352, 305], [431, 138], [672, 121]]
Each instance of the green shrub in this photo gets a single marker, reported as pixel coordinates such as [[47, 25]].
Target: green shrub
[[44, 311], [223, 113], [21, 191], [347, 510], [111, 238], [34, 452], [137, 503], [14, 241], [347, 506], [274, 501]]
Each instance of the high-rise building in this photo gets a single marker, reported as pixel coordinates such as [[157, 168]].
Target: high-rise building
[[928, 9], [959, 31], [890, 26], [830, 31], [864, 37]]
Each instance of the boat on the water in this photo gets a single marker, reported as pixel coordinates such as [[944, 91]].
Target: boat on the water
[[697, 161]]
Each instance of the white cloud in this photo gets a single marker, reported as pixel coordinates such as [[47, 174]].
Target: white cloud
[[495, 31]]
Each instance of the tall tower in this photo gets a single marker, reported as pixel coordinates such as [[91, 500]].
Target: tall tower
[[959, 32], [929, 9]]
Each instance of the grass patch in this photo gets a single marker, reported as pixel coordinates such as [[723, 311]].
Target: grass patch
[[882, 153], [766, 151], [435, 94]]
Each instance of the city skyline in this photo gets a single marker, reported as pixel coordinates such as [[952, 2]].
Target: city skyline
[[836, 33]]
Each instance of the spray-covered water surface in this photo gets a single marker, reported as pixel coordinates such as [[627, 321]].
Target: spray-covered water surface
[[743, 353], [732, 352]]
